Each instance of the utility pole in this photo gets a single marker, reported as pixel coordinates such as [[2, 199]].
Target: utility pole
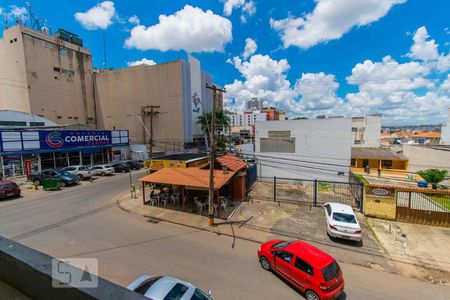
[[212, 157], [150, 110]]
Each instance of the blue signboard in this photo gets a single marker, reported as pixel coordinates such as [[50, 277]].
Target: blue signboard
[[43, 141], [74, 138]]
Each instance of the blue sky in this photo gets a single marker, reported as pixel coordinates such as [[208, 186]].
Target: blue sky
[[334, 57]]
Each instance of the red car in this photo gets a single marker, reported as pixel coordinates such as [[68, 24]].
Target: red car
[[308, 268], [9, 188]]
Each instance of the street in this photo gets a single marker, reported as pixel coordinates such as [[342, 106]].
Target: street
[[84, 221]]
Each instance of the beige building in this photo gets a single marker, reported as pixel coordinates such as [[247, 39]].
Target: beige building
[[53, 77], [178, 87], [49, 76]]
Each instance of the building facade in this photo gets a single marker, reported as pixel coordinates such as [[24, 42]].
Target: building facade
[[178, 88], [17, 119], [366, 131], [246, 119], [254, 104], [272, 113], [445, 131], [304, 149], [49, 76], [23, 152]]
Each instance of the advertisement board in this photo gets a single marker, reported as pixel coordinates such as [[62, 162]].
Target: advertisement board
[[74, 138]]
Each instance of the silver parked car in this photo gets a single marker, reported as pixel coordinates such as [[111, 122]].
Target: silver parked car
[[342, 222], [102, 170], [166, 287], [80, 171]]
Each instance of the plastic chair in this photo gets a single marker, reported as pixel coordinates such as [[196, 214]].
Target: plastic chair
[[224, 204]]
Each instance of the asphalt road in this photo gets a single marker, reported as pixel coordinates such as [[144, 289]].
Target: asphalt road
[[84, 221]]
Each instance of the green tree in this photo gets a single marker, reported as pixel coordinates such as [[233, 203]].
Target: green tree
[[433, 176], [205, 120]]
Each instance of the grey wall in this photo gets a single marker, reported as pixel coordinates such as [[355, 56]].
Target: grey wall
[[322, 149], [29, 271]]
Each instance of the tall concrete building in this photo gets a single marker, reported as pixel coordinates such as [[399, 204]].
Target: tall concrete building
[[49, 76], [178, 87], [254, 104], [445, 131], [366, 131]]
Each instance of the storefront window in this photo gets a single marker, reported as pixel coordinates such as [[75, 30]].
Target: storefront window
[[74, 158], [47, 161], [61, 160]]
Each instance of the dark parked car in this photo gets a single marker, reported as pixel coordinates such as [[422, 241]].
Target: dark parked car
[[133, 164], [66, 177], [9, 188], [121, 167]]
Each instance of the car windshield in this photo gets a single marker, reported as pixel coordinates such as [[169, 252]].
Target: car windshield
[[281, 245], [145, 286], [82, 168], [346, 218], [8, 186], [200, 295], [65, 173], [331, 271]]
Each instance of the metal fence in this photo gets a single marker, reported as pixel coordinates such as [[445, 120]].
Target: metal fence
[[308, 192], [420, 207]]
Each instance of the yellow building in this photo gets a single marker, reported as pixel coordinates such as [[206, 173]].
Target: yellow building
[[377, 158], [183, 160]]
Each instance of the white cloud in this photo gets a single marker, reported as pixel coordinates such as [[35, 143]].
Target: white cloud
[[15, 12], [143, 61], [330, 20], [250, 48], [264, 78], [426, 49], [190, 29], [423, 48], [248, 8], [446, 84], [134, 20], [97, 17]]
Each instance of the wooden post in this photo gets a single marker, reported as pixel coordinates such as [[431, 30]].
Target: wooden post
[[183, 197], [143, 192]]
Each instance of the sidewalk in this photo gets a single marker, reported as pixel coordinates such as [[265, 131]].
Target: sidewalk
[[411, 245], [260, 222]]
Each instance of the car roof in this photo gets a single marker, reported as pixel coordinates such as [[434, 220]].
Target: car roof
[[162, 287], [6, 181], [342, 208], [310, 254]]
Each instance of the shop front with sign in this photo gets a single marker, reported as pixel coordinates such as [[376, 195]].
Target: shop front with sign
[[22, 152]]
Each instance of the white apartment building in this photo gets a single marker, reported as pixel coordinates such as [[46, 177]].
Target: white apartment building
[[247, 118], [304, 149], [445, 131], [366, 131]]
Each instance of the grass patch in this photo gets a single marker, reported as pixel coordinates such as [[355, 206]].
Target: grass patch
[[444, 202]]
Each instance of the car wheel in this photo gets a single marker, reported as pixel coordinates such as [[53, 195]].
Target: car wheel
[[63, 184], [102, 173], [37, 181], [264, 263], [80, 177], [310, 295]]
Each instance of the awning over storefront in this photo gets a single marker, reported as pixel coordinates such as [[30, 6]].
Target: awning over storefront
[[189, 177]]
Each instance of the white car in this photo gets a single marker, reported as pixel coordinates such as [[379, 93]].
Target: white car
[[80, 171], [102, 170], [166, 287], [342, 222]]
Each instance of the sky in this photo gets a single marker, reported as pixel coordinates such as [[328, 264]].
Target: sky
[[309, 58]]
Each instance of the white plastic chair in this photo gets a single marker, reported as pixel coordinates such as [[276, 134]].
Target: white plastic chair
[[224, 204]]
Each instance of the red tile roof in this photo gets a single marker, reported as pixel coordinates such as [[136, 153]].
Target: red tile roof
[[233, 163]]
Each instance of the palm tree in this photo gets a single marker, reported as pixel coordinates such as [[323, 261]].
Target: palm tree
[[433, 176], [205, 120]]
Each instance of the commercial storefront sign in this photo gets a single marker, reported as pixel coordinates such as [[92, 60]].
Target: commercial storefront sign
[[76, 138]]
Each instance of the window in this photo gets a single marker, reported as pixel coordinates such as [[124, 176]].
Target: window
[[34, 124], [280, 245], [346, 218], [331, 271], [176, 292], [386, 163], [13, 123], [200, 295], [287, 257], [143, 288], [328, 208], [353, 162], [303, 266], [56, 69], [354, 129], [59, 117]]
